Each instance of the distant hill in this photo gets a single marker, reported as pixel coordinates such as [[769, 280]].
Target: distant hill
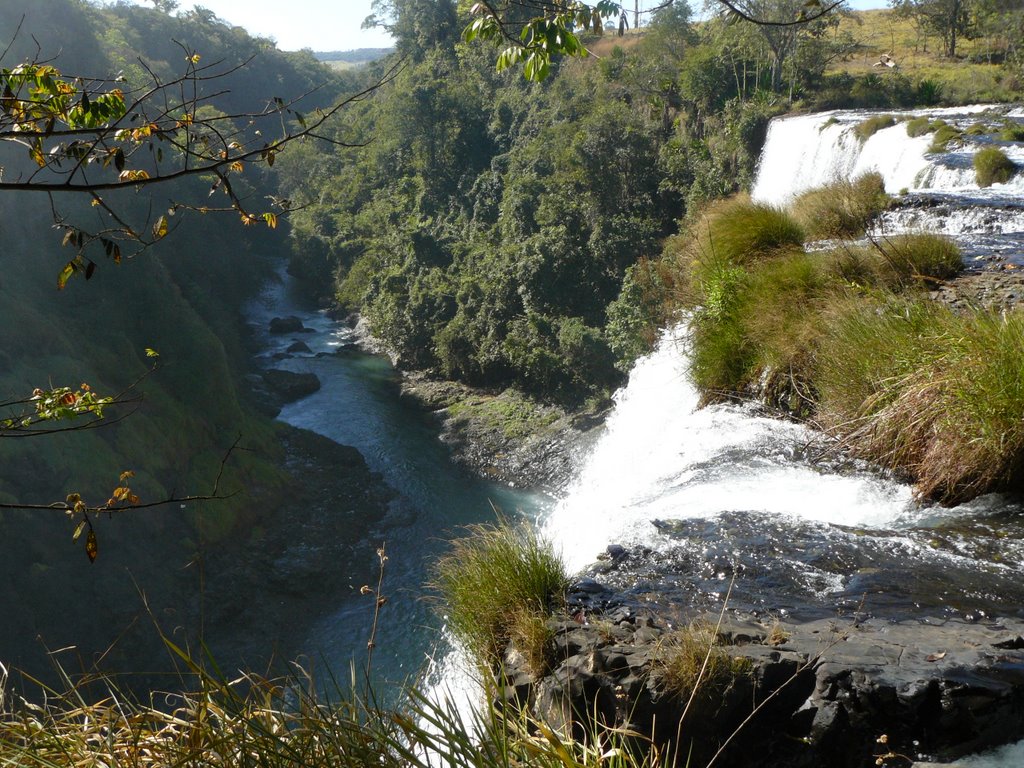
[[356, 58]]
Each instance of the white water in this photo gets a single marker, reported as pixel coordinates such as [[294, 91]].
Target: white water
[[663, 458], [809, 151]]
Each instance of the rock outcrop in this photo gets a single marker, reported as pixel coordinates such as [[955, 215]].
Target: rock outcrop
[[842, 692]]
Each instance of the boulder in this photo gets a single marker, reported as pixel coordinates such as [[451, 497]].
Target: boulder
[[289, 386], [290, 324]]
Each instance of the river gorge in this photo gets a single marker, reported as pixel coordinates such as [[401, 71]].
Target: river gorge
[[679, 501]]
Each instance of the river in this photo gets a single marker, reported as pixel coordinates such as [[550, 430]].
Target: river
[[705, 493]]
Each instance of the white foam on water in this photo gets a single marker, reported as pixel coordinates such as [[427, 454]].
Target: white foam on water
[[663, 458]]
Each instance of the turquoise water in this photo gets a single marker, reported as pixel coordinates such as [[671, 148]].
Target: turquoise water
[[359, 404]]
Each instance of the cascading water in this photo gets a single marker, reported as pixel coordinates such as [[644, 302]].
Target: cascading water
[[937, 191], [696, 494]]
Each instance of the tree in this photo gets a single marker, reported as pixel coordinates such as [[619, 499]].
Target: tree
[[949, 19], [534, 31]]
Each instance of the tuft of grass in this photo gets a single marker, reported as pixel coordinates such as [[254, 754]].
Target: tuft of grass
[[992, 166], [913, 386], [841, 209], [919, 126], [872, 125], [1011, 131], [920, 255], [944, 136], [737, 231], [494, 582], [978, 129], [692, 660]]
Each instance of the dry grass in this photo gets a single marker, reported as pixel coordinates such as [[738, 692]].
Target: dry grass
[[841, 209], [966, 79], [692, 660]]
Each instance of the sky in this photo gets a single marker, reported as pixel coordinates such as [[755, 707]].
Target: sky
[[323, 25], [334, 25]]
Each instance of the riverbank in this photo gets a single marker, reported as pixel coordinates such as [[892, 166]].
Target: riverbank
[[505, 436]]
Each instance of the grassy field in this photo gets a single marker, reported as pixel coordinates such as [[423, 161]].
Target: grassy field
[[970, 77]]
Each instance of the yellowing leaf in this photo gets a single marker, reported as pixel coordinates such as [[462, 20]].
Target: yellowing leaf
[[91, 547], [160, 228], [78, 531], [271, 220]]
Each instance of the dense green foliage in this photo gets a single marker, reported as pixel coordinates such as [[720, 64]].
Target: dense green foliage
[[487, 229], [183, 298], [992, 166]]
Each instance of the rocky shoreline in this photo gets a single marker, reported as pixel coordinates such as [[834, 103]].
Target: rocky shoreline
[[845, 691], [504, 436]]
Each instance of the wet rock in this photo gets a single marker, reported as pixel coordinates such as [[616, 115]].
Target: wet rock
[[290, 324], [289, 386], [299, 347]]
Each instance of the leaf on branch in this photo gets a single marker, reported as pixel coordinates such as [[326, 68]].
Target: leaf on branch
[[160, 227], [78, 530], [271, 220], [91, 548], [65, 275]]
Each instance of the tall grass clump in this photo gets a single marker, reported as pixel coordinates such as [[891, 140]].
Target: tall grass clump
[[842, 208], [865, 129], [732, 241], [496, 583], [918, 126], [912, 386], [920, 255], [737, 231], [1011, 131], [992, 166], [943, 136]]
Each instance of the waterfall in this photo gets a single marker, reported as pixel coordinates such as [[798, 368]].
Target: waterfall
[[808, 151], [663, 458]]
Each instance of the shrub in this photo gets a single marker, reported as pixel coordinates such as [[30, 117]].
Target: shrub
[[944, 134], [637, 315], [992, 166], [872, 125], [919, 126], [495, 583], [928, 93], [841, 209]]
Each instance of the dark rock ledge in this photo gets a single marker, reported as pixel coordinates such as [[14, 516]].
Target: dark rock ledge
[[829, 692]]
